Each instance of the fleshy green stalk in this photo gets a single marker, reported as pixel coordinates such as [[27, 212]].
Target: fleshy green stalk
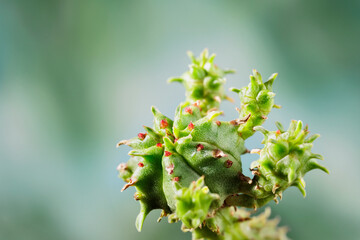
[[191, 168]]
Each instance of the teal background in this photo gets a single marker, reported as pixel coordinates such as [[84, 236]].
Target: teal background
[[78, 76]]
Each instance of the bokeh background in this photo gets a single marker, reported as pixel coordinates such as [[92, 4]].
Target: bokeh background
[[78, 76]]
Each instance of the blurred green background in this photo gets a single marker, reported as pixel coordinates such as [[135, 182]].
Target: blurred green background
[[78, 76]]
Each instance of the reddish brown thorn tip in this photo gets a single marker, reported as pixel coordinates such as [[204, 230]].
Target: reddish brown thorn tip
[[218, 123], [235, 122], [264, 117], [167, 153], [140, 164], [126, 142], [240, 219], [228, 163], [176, 179], [159, 145], [244, 120], [163, 123], [141, 136], [199, 147], [129, 184], [191, 126], [188, 110], [278, 132], [175, 140]]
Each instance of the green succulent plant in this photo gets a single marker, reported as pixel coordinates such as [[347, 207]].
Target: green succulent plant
[[191, 168]]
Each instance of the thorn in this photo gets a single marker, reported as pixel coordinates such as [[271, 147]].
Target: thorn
[[277, 106], [191, 126], [176, 179], [159, 145], [278, 132], [188, 110], [140, 164], [163, 123], [123, 142], [129, 184], [217, 98], [237, 122], [199, 147], [212, 110], [162, 214], [264, 117], [142, 136], [238, 109], [255, 150], [255, 172], [217, 153], [246, 118], [246, 151], [218, 123], [244, 178], [241, 219], [275, 187], [167, 153], [229, 99]]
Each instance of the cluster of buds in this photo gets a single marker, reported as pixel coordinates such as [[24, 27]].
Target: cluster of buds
[[191, 168]]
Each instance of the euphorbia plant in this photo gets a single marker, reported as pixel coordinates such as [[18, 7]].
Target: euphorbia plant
[[191, 168]]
